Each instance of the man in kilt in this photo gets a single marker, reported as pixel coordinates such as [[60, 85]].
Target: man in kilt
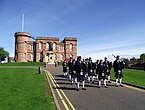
[[97, 71], [79, 73], [65, 68], [102, 74], [70, 66], [73, 73], [118, 66], [91, 68], [108, 66]]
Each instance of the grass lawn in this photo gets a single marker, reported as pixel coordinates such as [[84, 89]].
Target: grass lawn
[[23, 64], [60, 63], [24, 89], [136, 77]]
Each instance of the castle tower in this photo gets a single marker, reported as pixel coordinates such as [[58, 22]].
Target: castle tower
[[70, 48], [21, 46]]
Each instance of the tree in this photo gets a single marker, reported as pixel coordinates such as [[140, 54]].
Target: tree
[[133, 60], [142, 57], [3, 54], [139, 60], [126, 61]]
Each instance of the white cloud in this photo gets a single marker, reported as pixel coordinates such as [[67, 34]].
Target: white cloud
[[101, 51]]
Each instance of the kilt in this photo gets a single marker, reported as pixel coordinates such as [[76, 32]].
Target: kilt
[[102, 76], [64, 69], [118, 75], [80, 78]]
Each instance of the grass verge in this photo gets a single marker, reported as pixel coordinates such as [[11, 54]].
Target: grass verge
[[23, 64], [135, 77], [24, 89]]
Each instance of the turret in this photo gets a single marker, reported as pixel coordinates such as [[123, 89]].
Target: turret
[[21, 46]]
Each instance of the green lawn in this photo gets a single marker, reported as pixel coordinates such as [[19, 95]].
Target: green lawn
[[136, 77], [23, 64], [24, 89], [60, 63]]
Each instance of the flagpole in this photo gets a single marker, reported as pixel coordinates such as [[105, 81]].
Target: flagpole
[[23, 23]]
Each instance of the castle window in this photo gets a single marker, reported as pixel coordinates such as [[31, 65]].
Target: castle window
[[40, 45], [24, 56], [61, 47], [41, 57], [32, 57], [54, 46], [31, 47], [25, 45], [61, 57], [71, 47], [48, 46], [54, 57]]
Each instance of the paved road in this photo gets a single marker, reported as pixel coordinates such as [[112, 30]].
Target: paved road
[[111, 98]]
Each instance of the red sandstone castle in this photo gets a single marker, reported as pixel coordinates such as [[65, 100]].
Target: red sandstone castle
[[38, 50]]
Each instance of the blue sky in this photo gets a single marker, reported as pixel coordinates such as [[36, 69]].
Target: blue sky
[[102, 27]]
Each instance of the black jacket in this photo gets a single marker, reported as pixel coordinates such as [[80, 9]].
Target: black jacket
[[70, 65], [101, 68], [78, 68], [117, 66], [90, 67]]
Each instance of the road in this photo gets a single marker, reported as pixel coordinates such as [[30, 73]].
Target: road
[[94, 98]]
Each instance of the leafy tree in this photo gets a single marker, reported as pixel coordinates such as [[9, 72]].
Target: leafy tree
[[126, 61], [133, 60], [3, 54], [142, 57], [139, 60]]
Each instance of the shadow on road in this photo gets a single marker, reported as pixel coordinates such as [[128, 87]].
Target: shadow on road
[[65, 88]]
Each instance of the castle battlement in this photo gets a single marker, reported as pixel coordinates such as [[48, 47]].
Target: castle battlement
[[22, 34], [70, 38], [47, 38]]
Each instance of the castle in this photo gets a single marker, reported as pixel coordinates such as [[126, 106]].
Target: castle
[[41, 48]]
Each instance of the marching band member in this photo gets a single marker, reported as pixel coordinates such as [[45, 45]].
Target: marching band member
[[79, 73]]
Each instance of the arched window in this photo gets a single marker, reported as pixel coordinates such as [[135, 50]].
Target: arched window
[[41, 57], [32, 57], [25, 45], [54, 57], [47, 45], [71, 47], [31, 47], [24, 56], [54, 46], [40, 45], [62, 57], [61, 47]]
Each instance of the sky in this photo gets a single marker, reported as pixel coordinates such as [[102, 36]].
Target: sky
[[102, 27]]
